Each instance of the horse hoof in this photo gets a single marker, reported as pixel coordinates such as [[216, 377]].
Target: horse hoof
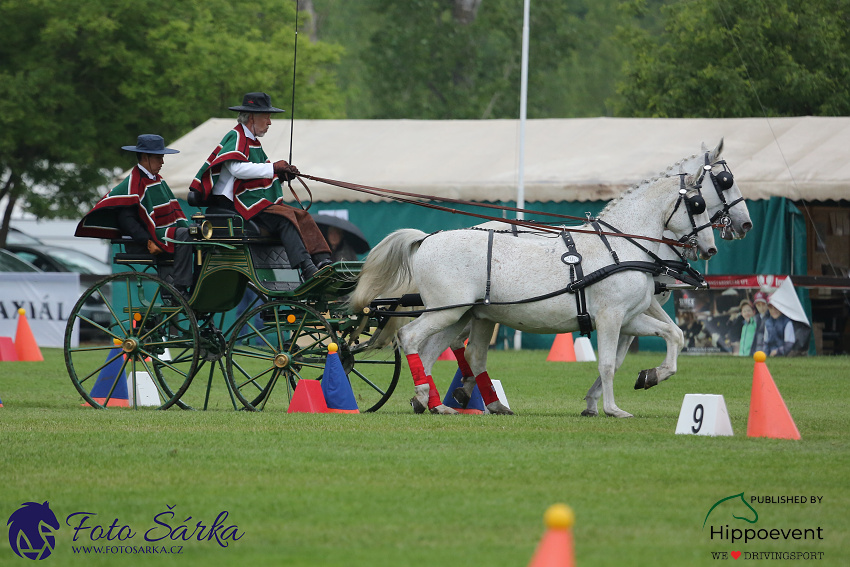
[[461, 397], [618, 413], [417, 406], [443, 410], [589, 413], [499, 408], [651, 378], [647, 379]]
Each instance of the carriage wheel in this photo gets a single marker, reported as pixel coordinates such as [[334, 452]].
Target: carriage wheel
[[373, 373], [276, 345], [211, 389], [143, 333]]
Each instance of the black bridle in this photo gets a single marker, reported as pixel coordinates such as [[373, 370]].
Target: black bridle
[[695, 205], [721, 182]]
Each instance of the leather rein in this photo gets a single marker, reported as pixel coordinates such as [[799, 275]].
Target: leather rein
[[418, 199]]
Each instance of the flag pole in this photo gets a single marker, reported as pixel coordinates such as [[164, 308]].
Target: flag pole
[[523, 103]]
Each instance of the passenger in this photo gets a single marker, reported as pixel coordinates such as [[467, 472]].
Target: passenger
[[144, 208], [239, 176]]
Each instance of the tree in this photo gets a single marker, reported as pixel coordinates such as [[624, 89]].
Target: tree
[[740, 58], [80, 78], [455, 59]]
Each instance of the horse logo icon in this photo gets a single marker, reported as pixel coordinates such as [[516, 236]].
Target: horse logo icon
[[743, 501], [31, 530]]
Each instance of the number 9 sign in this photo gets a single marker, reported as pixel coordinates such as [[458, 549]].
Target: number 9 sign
[[704, 414]]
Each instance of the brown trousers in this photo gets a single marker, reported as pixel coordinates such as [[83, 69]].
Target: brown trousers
[[279, 219]]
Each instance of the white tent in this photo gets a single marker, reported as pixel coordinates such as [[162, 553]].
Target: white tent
[[584, 159]]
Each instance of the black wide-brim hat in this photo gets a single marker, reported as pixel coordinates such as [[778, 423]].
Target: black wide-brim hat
[[256, 102], [150, 144]]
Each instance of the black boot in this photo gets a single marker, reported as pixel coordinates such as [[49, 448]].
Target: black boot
[[322, 260], [308, 269]]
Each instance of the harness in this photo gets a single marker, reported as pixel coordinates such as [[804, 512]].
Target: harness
[[579, 281]]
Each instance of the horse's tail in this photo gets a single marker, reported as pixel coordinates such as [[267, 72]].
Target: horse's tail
[[387, 273]]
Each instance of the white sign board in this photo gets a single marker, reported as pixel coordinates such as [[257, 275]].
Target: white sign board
[[47, 299], [704, 414]]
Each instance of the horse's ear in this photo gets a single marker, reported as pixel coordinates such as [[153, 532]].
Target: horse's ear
[[703, 148], [715, 153]]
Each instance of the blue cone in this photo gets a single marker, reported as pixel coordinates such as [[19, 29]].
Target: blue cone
[[336, 387], [108, 376], [476, 402]]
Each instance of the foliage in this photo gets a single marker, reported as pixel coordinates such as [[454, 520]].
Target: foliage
[[80, 78], [425, 64], [741, 58]]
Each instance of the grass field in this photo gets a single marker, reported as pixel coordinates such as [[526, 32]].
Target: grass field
[[393, 488]]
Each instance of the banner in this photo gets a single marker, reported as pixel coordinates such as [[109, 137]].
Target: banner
[[47, 299], [734, 317]]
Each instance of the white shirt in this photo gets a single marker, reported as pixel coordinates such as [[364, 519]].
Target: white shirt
[[146, 172], [232, 170]]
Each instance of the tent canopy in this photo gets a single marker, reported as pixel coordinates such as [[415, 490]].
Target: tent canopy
[[583, 159]]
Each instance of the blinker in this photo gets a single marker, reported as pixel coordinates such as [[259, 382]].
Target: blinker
[[724, 180], [696, 204]]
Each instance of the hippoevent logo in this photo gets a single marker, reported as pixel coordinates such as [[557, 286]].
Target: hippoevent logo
[[734, 519], [33, 525], [31, 530]]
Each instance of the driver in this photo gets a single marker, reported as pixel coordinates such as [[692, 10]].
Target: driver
[[239, 176]]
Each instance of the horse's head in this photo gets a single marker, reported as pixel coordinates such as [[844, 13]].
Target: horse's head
[[723, 197], [31, 530], [687, 217]]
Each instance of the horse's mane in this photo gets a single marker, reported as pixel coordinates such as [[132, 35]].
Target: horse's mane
[[646, 182]]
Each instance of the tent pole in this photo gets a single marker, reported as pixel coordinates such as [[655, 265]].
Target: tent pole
[[523, 103]]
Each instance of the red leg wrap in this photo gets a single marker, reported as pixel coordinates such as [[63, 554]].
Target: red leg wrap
[[460, 355], [485, 386], [419, 378]]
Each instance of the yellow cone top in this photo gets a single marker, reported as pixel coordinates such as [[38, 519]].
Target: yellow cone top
[[332, 348], [559, 516], [759, 356], [21, 311]]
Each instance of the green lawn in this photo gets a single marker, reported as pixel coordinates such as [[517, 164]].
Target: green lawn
[[393, 488]]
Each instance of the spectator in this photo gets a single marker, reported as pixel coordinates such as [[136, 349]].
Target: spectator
[[748, 329], [779, 334], [761, 315]]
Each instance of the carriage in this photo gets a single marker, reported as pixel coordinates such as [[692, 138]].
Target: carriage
[[179, 344]]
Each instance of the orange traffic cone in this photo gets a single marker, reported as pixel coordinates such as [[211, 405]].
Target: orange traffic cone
[[562, 349], [308, 398], [556, 547], [447, 355], [25, 341], [769, 416], [8, 352]]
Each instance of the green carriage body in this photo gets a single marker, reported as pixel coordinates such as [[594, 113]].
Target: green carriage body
[[282, 336]]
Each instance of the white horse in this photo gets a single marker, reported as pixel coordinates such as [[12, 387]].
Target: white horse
[[527, 279], [727, 210]]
